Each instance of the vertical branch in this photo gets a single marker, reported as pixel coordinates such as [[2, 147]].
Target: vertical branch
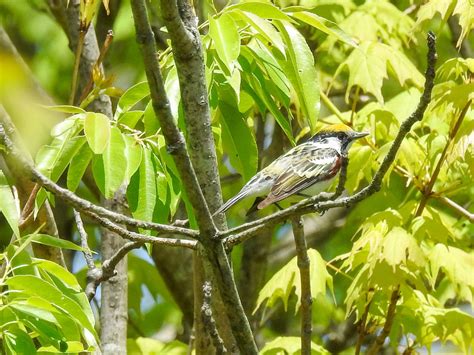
[[114, 295], [213, 251], [388, 323], [306, 298], [208, 319]]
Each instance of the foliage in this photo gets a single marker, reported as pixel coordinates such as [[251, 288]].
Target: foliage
[[275, 75]]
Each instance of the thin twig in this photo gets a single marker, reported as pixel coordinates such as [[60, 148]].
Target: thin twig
[[95, 275], [97, 65], [320, 202], [428, 189], [388, 323], [306, 298], [208, 319], [28, 208], [84, 244], [459, 209], [363, 325], [77, 61]]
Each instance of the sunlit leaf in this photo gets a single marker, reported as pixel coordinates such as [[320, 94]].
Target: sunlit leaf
[[223, 32], [290, 346], [97, 130], [9, 206], [299, 67], [280, 286], [238, 141]]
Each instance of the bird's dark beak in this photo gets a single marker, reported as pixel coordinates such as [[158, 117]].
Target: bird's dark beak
[[357, 135]]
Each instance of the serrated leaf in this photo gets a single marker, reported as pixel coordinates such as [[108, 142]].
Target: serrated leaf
[[97, 131], [290, 346], [238, 141], [141, 192], [283, 281], [300, 70], [399, 247], [9, 206], [226, 38], [368, 66]]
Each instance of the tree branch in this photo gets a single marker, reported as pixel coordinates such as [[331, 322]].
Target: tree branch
[[320, 202], [95, 275], [306, 298], [388, 323], [208, 319]]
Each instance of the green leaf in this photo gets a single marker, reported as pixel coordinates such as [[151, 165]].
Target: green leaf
[[131, 97], [368, 65], [9, 206], [238, 141], [53, 159], [34, 286], [262, 10], [78, 166], [133, 153], [262, 27], [65, 108], [456, 263], [256, 88], [465, 10], [399, 247], [324, 25], [141, 193], [152, 125], [130, 118], [115, 163], [54, 242], [290, 346], [97, 131], [142, 345], [19, 341], [299, 67], [282, 283], [225, 35]]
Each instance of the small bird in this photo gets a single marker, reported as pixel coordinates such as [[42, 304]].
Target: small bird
[[305, 170]]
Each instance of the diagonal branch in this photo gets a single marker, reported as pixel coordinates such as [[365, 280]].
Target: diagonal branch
[[161, 106], [80, 204], [320, 202]]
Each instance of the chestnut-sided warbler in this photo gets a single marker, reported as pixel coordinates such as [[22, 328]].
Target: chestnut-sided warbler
[[305, 170]]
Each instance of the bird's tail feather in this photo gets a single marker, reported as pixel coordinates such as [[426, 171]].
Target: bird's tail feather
[[231, 202]]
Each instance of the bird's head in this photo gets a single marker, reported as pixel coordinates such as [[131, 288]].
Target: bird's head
[[338, 133]]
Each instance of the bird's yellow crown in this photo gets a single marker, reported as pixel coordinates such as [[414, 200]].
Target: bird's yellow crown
[[340, 127]]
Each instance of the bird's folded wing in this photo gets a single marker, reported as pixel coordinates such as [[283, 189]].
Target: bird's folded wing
[[310, 166]]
